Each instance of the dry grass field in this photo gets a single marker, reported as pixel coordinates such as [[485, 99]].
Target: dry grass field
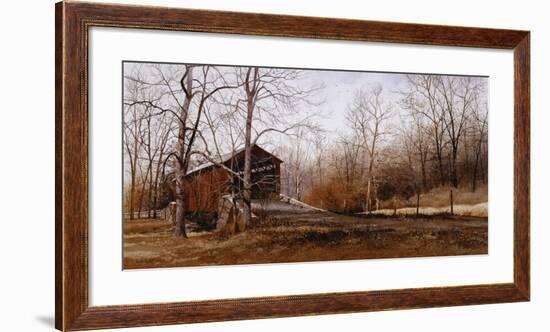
[[294, 234]]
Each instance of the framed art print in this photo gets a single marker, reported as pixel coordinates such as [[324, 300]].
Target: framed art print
[[248, 166]]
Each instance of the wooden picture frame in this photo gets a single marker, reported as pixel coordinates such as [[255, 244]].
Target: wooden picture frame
[[73, 21]]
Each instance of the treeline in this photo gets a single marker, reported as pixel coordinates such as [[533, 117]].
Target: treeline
[[434, 135]]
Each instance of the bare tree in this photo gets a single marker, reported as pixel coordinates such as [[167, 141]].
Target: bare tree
[[367, 116], [132, 143], [150, 154], [185, 92], [423, 98], [320, 143], [456, 97], [158, 133], [297, 156], [270, 99], [479, 126], [132, 148], [416, 134], [347, 161]]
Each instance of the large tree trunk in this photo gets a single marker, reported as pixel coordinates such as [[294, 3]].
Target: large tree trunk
[[247, 190], [181, 165], [180, 206]]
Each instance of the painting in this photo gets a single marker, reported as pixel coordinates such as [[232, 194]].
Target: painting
[[236, 164]]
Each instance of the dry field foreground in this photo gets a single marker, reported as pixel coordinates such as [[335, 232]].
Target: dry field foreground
[[294, 234]]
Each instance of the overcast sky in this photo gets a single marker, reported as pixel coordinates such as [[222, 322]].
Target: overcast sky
[[340, 87]]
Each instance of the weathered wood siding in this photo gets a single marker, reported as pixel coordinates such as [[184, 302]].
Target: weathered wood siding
[[205, 187], [204, 190]]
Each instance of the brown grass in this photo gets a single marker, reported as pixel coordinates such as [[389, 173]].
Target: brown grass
[[309, 236], [439, 197]]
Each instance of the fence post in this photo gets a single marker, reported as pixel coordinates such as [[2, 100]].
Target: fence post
[[452, 209]]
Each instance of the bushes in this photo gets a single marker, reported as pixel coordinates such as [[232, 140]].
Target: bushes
[[337, 196], [342, 195]]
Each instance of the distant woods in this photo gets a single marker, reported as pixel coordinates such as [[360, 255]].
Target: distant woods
[[390, 146], [433, 134]]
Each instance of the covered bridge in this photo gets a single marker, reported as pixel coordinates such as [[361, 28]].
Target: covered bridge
[[206, 183]]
